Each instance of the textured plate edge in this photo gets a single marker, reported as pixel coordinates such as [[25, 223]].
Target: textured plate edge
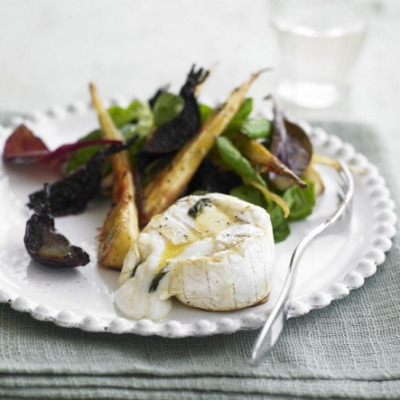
[[384, 229]]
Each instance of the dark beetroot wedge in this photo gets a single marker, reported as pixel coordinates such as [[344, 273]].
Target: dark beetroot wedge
[[71, 194], [48, 247], [172, 135]]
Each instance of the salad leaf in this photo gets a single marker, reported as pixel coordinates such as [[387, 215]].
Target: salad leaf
[[250, 194], [139, 112], [23, 143], [82, 156], [166, 107], [243, 112], [210, 178], [290, 143], [122, 116], [279, 223], [300, 201], [140, 130], [155, 96], [233, 159], [205, 112], [257, 128], [254, 128], [236, 122], [261, 157], [24, 147]]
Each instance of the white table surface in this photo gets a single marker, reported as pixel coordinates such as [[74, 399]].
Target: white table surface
[[50, 50]]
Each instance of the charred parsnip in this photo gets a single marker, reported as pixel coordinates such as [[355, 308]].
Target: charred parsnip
[[261, 156], [171, 181], [121, 225]]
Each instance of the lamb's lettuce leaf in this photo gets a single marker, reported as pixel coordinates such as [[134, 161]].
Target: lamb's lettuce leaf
[[279, 223], [300, 201], [233, 159], [137, 120], [166, 107]]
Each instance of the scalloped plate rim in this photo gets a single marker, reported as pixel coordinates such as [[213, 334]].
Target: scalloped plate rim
[[366, 266]]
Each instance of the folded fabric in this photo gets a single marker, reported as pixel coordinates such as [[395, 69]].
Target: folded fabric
[[350, 349]]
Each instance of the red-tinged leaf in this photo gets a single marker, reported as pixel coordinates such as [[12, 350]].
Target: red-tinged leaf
[[290, 143], [24, 147], [62, 153]]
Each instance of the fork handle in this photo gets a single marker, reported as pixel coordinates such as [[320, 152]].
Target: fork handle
[[273, 327]]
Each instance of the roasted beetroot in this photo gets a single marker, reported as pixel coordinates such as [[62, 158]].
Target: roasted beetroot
[[172, 135], [71, 194], [48, 247]]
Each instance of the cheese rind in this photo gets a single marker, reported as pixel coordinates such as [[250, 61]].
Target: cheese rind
[[218, 260]]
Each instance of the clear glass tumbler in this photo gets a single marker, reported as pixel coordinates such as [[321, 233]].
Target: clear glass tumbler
[[319, 44]]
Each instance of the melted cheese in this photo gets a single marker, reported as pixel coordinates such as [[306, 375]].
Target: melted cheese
[[217, 260], [171, 252], [212, 221]]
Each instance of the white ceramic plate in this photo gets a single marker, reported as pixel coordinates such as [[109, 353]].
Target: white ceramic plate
[[83, 297]]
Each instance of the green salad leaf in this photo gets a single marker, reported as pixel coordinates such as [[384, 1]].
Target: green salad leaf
[[243, 112], [83, 155], [300, 201], [167, 107], [250, 194], [140, 121], [205, 112], [256, 128], [279, 223], [233, 159], [241, 115], [122, 116], [141, 128]]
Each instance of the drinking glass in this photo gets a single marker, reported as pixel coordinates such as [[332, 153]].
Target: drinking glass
[[319, 44]]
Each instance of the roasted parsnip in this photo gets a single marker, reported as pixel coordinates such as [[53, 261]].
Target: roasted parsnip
[[261, 156], [121, 227], [171, 181]]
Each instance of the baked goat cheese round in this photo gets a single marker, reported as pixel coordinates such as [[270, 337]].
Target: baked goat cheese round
[[212, 252]]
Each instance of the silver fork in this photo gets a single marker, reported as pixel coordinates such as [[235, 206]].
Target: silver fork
[[273, 327]]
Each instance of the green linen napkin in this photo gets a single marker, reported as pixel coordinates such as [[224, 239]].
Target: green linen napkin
[[350, 349]]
